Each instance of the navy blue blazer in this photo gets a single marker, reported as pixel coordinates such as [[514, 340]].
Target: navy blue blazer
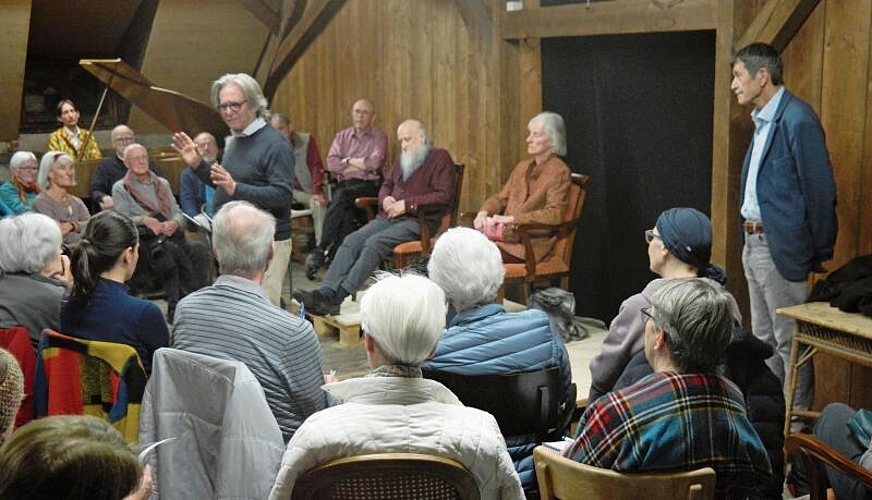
[[796, 190]]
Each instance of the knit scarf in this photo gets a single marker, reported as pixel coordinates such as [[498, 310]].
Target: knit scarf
[[396, 371], [163, 197], [23, 189]]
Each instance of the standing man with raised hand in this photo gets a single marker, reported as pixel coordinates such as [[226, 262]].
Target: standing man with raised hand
[[258, 165], [356, 158], [788, 205]]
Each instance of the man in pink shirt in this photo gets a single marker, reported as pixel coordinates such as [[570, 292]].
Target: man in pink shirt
[[356, 159]]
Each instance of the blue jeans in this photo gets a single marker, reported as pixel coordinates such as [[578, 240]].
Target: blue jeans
[[362, 252]]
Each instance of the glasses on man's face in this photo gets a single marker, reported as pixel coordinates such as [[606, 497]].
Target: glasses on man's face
[[646, 314], [231, 105], [650, 235]]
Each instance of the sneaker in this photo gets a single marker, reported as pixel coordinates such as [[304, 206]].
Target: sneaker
[[319, 305], [314, 261]]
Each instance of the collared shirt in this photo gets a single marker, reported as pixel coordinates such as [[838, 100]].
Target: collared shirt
[[252, 127], [371, 145], [763, 125], [670, 421]]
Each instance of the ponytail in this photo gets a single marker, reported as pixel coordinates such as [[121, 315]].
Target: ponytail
[[83, 255], [107, 236]]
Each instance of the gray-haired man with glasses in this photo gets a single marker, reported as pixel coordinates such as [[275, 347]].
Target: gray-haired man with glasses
[[258, 165]]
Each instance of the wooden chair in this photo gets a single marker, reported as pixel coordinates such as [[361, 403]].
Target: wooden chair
[[562, 478], [405, 252], [815, 454], [387, 476], [88, 377], [557, 265], [522, 403]]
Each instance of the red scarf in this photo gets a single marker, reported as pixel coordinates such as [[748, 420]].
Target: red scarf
[[163, 197], [23, 189]]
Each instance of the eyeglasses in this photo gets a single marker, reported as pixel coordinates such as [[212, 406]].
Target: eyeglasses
[[650, 235], [646, 314], [232, 106], [31, 168]]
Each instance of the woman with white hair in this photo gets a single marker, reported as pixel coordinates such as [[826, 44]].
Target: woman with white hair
[[57, 175], [33, 273], [484, 339], [18, 194], [537, 192], [394, 409]]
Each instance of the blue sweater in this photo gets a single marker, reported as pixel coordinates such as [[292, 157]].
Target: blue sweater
[[112, 315], [487, 340]]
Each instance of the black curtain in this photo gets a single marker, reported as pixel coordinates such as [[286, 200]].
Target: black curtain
[[638, 111]]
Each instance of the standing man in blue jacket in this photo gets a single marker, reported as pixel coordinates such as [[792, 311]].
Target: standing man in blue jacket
[[788, 204]]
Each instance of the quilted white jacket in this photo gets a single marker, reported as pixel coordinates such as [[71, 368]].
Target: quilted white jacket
[[395, 414]]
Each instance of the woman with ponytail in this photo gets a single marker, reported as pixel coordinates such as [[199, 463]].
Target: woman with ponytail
[[100, 307]]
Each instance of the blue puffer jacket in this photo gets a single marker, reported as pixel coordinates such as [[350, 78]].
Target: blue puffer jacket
[[487, 340]]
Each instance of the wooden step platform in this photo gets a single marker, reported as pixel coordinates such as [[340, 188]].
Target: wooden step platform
[[346, 324]]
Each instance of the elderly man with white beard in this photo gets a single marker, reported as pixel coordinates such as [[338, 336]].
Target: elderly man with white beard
[[423, 178]]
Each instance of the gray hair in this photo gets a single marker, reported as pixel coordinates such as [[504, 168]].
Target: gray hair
[[555, 129], [242, 237], [130, 147], [280, 117], [697, 321], [19, 159], [29, 243], [761, 55], [467, 266], [250, 89], [405, 315], [46, 163]]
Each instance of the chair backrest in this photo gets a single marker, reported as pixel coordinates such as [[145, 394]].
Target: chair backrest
[[450, 219], [16, 340], [388, 476], [815, 454], [228, 442], [88, 377], [522, 403], [562, 478], [563, 246]]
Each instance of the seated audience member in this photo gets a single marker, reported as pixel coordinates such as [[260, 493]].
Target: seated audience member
[[308, 169], [18, 194], [483, 339], [112, 169], [679, 246], [832, 428], [5, 211], [11, 392], [422, 176], [99, 307], [234, 319], [70, 139], [71, 457], [537, 192], [394, 409], [33, 273], [164, 252], [684, 416], [194, 195], [356, 159], [57, 175]]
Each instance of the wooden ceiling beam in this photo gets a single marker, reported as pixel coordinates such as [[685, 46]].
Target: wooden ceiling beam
[[610, 18], [316, 16], [264, 14], [475, 15], [292, 12], [777, 23]]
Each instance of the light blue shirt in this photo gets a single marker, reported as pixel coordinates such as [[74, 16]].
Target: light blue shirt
[[763, 123]]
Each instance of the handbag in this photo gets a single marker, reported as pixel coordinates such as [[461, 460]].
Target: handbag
[[861, 426]]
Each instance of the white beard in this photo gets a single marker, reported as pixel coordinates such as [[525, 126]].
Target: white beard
[[411, 160]]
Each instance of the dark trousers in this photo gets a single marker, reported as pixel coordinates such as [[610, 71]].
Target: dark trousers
[[342, 217]]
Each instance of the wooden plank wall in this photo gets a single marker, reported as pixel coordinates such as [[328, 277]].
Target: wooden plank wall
[[414, 59], [828, 65]]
